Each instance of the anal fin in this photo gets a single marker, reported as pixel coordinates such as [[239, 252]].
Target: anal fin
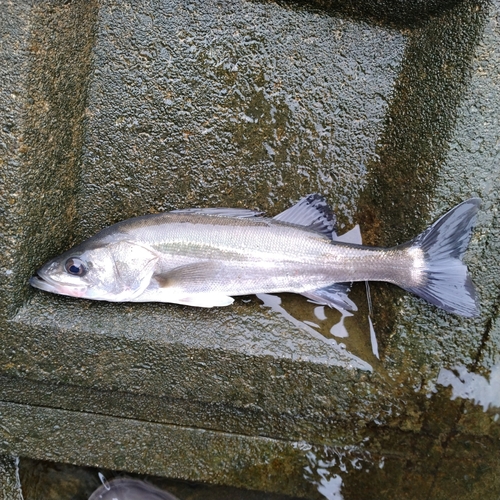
[[334, 295]]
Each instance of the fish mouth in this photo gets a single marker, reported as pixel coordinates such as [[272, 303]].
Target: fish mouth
[[48, 285]]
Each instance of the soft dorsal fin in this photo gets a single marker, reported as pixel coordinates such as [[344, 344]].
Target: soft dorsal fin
[[352, 236], [313, 212], [241, 213]]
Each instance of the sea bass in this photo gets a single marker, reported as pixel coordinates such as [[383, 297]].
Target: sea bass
[[204, 257]]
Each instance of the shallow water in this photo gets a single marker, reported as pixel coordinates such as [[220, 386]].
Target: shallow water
[[349, 330]]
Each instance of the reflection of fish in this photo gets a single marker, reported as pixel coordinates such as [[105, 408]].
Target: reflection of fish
[[129, 489], [202, 257]]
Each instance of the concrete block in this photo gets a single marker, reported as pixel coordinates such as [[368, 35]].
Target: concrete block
[[116, 109]]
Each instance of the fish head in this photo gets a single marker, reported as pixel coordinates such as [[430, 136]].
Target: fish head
[[116, 271]]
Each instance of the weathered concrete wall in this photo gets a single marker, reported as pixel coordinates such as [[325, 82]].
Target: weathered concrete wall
[[114, 109], [45, 67]]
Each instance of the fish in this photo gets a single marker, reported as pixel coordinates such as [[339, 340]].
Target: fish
[[204, 257], [129, 489]]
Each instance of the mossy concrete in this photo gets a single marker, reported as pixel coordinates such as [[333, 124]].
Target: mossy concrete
[[116, 109]]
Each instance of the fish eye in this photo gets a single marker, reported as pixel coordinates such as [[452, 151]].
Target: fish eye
[[75, 266]]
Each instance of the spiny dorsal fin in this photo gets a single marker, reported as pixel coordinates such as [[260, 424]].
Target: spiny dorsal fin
[[313, 212], [241, 213]]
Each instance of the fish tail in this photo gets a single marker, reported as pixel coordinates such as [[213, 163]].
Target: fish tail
[[446, 282]]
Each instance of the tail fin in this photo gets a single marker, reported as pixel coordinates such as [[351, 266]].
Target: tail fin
[[448, 284]]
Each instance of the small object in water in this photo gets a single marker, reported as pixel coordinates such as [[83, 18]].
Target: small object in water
[[203, 257], [129, 489]]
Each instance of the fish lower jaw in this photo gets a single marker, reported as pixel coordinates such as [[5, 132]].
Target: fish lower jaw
[[60, 289]]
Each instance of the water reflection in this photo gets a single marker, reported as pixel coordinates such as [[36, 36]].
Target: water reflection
[[466, 385], [274, 302], [329, 484], [328, 464], [349, 331], [338, 329], [373, 338], [128, 489], [353, 331]]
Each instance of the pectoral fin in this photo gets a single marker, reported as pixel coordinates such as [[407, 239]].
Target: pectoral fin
[[189, 276], [134, 265], [190, 285]]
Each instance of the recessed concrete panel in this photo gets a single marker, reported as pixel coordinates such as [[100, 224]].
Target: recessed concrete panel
[[116, 109]]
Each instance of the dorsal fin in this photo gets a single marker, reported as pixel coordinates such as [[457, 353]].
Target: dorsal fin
[[241, 213], [352, 236], [313, 212]]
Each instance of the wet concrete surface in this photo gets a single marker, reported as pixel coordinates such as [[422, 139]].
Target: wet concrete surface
[[122, 109]]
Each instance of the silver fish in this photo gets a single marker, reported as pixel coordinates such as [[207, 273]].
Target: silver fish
[[204, 257], [129, 489]]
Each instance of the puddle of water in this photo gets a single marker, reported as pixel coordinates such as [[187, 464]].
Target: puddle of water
[[349, 330], [482, 391], [327, 465]]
